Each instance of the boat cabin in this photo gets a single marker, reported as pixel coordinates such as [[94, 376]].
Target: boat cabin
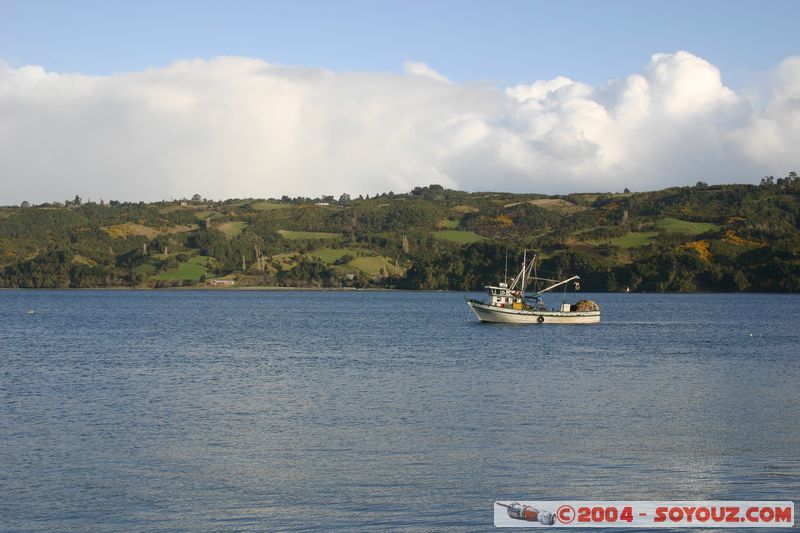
[[502, 296]]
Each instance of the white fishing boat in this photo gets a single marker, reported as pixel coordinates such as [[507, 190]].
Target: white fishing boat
[[509, 303]]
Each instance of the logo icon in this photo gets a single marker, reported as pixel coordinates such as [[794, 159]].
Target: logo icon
[[565, 514]]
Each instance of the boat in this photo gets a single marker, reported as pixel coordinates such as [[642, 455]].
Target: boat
[[510, 304]]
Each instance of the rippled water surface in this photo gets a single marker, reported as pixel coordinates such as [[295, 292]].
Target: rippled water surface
[[374, 411]]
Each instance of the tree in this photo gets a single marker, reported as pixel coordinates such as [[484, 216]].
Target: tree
[[346, 258], [740, 281]]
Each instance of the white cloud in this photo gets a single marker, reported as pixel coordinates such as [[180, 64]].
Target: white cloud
[[235, 126], [421, 69], [774, 133]]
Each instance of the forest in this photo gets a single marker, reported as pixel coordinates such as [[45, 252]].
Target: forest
[[722, 238]]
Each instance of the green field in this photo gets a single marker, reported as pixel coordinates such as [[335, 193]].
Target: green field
[[587, 197], [674, 225], [372, 265], [268, 206], [446, 223], [192, 269], [185, 271], [637, 239], [203, 260], [231, 229], [308, 235], [146, 268], [204, 214], [331, 255], [634, 240], [460, 237]]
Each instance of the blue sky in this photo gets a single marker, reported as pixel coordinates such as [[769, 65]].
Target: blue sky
[[144, 100], [504, 42]]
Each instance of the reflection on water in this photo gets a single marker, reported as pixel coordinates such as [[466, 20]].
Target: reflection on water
[[361, 410]]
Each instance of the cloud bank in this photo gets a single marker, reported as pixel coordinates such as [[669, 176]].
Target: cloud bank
[[240, 127]]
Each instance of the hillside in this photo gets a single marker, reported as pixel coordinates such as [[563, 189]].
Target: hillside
[[710, 238]]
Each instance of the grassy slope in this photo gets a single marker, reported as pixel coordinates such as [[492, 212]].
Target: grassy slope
[[204, 260], [297, 235], [331, 255], [373, 265], [637, 239], [268, 206], [192, 269], [460, 237], [147, 268], [448, 224], [185, 271], [634, 239], [673, 225], [231, 229]]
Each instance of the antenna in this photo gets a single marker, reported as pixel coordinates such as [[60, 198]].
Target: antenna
[[505, 276]]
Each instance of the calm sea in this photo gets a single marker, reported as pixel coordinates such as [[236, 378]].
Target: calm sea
[[125, 410]]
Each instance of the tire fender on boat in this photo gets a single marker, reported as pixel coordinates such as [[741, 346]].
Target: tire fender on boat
[[540, 319]]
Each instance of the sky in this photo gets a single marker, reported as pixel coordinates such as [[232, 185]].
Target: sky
[[149, 100]]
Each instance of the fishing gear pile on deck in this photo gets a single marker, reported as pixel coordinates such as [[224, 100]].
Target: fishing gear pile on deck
[[584, 306]]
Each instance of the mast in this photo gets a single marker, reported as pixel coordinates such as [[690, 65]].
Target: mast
[[523, 273], [527, 271]]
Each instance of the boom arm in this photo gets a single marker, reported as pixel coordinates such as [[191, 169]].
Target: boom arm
[[559, 284]]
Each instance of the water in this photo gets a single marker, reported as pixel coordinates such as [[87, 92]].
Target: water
[[382, 410]]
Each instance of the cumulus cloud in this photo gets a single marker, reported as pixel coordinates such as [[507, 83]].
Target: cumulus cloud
[[240, 127], [774, 133]]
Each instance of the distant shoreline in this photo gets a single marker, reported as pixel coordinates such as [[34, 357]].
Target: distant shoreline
[[220, 289], [726, 238], [339, 289]]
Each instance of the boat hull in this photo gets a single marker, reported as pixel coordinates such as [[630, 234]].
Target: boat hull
[[505, 315]]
